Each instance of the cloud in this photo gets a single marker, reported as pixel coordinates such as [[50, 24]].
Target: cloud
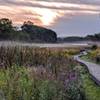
[[46, 12], [81, 25]]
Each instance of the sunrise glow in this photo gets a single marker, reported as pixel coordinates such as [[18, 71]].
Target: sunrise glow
[[43, 12], [47, 16]]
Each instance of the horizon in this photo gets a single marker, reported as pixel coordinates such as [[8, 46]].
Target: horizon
[[66, 18]]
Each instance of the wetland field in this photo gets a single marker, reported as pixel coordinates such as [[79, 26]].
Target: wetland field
[[30, 72]]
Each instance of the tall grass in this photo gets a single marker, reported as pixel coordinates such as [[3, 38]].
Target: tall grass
[[28, 73], [29, 56]]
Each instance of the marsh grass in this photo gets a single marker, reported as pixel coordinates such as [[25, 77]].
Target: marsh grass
[[29, 73], [30, 56]]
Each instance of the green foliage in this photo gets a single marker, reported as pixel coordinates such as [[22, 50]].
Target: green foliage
[[17, 83], [28, 32], [92, 91], [48, 91], [93, 56], [47, 74]]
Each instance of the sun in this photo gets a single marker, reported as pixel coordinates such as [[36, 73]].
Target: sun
[[47, 16]]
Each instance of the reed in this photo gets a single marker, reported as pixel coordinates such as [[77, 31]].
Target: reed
[[29, 73]]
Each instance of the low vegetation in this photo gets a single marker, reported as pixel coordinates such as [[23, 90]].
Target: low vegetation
[[29, 73], [93, 56], [39, 74], [91, 90]]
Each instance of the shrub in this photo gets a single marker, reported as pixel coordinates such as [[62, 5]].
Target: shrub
[[94, 47], [98, 59]]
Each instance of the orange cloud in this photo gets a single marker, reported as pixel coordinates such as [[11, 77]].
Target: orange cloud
[[44, 13]]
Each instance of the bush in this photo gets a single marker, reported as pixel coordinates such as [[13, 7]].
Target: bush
[[98, 59], [94, 47]]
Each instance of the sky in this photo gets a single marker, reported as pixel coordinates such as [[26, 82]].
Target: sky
[[65, 17]]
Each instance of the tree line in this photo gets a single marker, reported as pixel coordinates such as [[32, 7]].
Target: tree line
[[95, 37], [27, 32]]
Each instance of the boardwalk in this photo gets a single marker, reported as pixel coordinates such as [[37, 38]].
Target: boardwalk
[[94, 69]]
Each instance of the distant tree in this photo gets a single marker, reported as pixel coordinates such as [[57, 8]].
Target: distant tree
[[89, 37], [95, 37], [38, 33], [27, 32], [27, 26], [5, 27]]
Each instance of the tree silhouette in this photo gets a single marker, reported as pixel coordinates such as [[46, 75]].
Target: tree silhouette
[[5, 27]]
